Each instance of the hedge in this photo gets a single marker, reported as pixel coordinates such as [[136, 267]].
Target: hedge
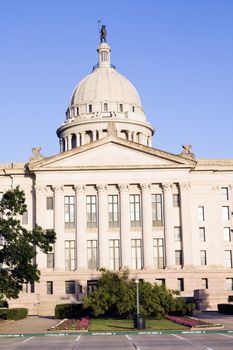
[[16, 313], [225, 309], [70, 311], [3, 313]]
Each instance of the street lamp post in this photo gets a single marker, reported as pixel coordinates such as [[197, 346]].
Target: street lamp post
[[137, 292]]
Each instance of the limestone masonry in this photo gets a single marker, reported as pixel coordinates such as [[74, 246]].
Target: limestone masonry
[[115, 202]]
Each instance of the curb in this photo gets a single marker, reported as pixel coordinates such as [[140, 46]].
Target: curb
[[114, 333]]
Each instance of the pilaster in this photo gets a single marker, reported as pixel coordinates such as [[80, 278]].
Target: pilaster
[[125, 226], [147, 226], [103, 226], [168, 225]]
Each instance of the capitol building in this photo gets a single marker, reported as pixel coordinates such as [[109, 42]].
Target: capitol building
[[116, 202]]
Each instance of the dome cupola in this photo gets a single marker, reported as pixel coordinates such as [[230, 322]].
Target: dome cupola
[[101, 97]]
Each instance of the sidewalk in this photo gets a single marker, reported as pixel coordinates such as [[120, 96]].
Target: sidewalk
[[215, 317], [31, 324]]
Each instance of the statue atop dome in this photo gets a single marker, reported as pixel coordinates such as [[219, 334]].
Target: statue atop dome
[[103, 34]]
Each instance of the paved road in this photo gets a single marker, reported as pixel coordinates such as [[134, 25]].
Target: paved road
[[214, 341]]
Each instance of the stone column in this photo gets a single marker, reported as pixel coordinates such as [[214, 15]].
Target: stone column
[[82, 138], [81, 241], [147, 226], [69, 142], [125, 226], [103, 226], [94, 132], [41, 257], [186, 227], [59, 227], [168, 226], [66, 143], [61, 145], [215, 236], [78, 139]]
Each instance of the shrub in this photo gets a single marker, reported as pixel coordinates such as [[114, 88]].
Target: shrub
[[3, 303], [225, 309], [3, 313], [70, 311], [16, 313]]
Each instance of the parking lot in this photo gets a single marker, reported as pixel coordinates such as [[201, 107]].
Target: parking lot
[[213, 341]]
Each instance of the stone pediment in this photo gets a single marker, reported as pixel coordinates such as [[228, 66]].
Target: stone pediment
[[113, 152]]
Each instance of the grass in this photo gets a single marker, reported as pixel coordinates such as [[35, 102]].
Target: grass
[[101, 324]]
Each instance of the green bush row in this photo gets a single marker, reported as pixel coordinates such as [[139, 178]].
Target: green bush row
[[70, 311], [3, 303], [14, 314], [225, 309]]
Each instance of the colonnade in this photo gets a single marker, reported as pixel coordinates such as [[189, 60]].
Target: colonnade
[[125, 233]]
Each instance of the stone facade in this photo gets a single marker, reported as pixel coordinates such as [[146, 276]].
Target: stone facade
[[116, 202]]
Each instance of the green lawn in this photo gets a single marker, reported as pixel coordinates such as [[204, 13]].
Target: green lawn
[[100, 324]]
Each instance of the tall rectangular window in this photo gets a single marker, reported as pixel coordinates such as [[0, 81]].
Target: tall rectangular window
[[229, 283], [25, 218], [49, 287], [114, 254], [204, 283], [113, 211], [69, 212], [228, 258], [135, 216], [156, 209], [90, 108], [70, 255], [136, 254], [176, 200], [178, 257], [91, 211], [202, 234], [227, 234], [49, 203], [70, 287], [180, 284], [92, 254], [224, 193], [50, 258], [203, 257], [105, 107], [177, 233], [121, 107], [201, 214], [158, 253], [225, 213]]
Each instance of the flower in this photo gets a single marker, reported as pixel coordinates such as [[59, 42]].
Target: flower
[[191, 322]]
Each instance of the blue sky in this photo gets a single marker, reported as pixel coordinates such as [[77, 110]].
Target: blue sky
[[177, 53]]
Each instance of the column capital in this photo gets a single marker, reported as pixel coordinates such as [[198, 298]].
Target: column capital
[[80, 188], [145, 187], [167, 186], [185, 186], [123, 187], [216, 188], [102, 187], [40, 188], [58, 189]]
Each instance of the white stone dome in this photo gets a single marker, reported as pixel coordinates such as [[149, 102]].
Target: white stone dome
[[101, 98], [105, 84]]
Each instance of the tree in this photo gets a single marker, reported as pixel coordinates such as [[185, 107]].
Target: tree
[[116, 296], [18, 247]]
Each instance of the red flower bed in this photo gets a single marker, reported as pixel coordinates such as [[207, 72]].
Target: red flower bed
[[66, 324], [191, 322]]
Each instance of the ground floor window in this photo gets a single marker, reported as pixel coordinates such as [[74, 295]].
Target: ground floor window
[[92, 285], [70, 287], [114, 254], [180, 284], [49, 287]]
